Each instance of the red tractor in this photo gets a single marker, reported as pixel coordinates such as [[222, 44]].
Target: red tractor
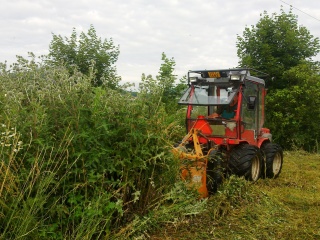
[[225, 117]]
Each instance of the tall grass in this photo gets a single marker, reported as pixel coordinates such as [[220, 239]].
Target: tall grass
[[26, 191]]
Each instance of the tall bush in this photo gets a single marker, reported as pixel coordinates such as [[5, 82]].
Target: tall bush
[[104, 155]]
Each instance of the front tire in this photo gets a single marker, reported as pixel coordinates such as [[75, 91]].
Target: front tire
[[273, 155], [246, 160], [214, 171]]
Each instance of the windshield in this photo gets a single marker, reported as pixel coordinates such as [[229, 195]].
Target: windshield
[[207, 95]]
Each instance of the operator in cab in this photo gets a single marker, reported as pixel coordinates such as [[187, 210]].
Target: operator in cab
[[227, 111]]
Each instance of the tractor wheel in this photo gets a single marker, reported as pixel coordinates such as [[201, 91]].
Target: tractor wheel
[[273, 156], [246, 160], [214, 171]]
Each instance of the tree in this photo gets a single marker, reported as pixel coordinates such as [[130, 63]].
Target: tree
[[293, 113], [86, 53], [276, 44], [165, 84]]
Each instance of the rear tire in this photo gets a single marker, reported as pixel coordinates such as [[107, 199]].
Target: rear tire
[[273, 156], [246, 160]]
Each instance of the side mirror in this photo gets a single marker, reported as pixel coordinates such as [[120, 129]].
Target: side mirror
[[251, 102]]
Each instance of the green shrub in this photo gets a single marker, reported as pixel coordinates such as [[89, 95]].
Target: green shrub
[[92, 158]]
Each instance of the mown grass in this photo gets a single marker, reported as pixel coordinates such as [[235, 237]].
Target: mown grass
[[283, 208]]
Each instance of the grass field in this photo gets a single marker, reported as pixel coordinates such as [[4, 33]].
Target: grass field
[[284, 208]]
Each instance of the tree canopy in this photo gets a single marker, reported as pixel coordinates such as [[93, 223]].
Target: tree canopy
[[276, 44], [168, 88], [85, 52]]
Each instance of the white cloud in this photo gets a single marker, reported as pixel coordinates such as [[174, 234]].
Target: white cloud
[[197, 33]]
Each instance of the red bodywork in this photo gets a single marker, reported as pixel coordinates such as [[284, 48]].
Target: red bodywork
[[232, 137]]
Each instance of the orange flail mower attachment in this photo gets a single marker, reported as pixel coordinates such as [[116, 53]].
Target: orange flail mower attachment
[[195, 176], [194, 163]]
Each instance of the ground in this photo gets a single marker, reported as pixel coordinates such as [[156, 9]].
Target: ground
[[284, 208]]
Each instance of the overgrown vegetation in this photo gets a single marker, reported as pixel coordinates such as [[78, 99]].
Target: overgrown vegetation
[[79, 161]]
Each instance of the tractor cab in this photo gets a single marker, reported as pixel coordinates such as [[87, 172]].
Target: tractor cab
[[229, 102]]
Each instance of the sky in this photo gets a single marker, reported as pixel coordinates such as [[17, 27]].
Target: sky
[[198, 34]]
